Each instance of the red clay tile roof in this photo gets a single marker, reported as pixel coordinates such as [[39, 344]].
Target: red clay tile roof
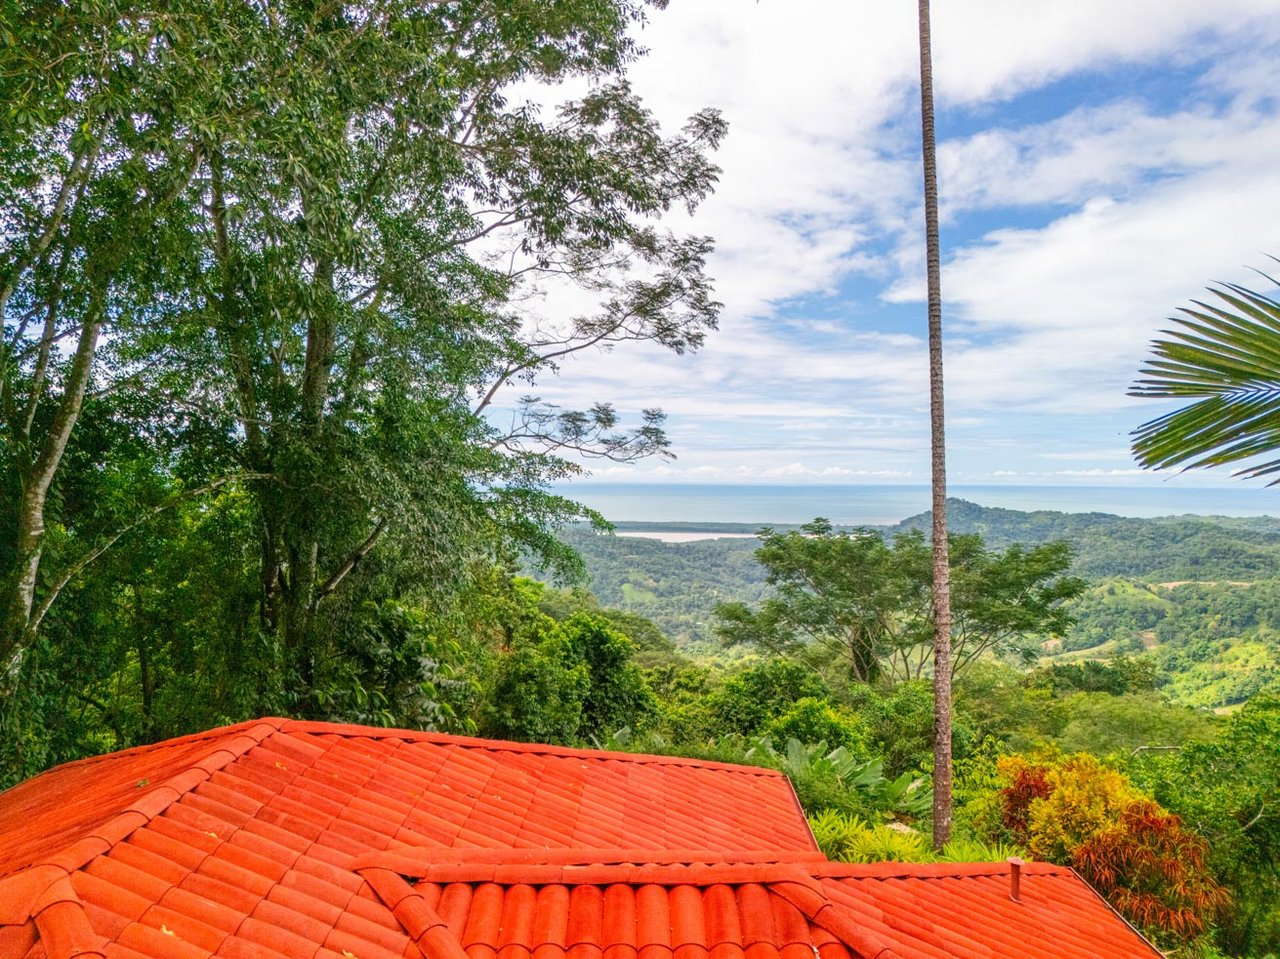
[[288, 839]]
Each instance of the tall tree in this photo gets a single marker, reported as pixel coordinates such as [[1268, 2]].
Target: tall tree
[[938, 455], [370, 229], [866, 601], [314, 230], [854, 595], [96, 160]]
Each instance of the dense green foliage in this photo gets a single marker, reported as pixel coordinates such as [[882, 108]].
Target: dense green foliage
[[265, 275], [1193, 594], [1225, 789]]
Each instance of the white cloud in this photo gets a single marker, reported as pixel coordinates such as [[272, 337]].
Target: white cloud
[[1133, 206], [1077, 455], [1098, 472], [992, 49]]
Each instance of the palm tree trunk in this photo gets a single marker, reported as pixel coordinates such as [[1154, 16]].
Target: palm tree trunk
[[938, 459]]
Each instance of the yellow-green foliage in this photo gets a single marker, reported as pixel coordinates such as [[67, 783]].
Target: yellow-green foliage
[[975, 850], [1085, 796], [849, 838], [1075, 810], [1234, 670]]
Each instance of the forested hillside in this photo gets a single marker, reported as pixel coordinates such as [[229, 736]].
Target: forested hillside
[[1163, 549], [1201, 595], [676, 585]]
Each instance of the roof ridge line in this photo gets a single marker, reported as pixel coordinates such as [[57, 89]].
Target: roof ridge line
[[812, 900], [153, 802], [623, 874], [348, 730], [929, 870], [429, 933], [804, 817], [1116, 912], [413, 861], [208, 735]]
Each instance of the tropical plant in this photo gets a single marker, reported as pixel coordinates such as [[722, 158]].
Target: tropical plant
[[846, 837], [908, 796], [969, 849], [1224, 356], [1154, 871], [1076, 811]]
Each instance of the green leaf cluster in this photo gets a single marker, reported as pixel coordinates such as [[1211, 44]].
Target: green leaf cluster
[[864, 600]]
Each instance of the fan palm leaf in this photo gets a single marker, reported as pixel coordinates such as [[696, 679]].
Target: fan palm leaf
[[1224, 355]]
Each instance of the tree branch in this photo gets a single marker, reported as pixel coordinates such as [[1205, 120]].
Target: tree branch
[[350, 563], [1254, 820], [77, 567], [79, 169]]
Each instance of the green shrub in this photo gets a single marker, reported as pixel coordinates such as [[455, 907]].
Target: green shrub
[[752, 697], [849, 838], [813, 720]]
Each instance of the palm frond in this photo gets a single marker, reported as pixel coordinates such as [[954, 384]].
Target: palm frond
[[1226, 356]]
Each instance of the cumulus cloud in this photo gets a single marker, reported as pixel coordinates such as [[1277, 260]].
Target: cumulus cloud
[[1078, 216]]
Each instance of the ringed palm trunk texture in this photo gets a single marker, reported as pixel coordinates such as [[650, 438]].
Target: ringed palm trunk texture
[[938, 458]]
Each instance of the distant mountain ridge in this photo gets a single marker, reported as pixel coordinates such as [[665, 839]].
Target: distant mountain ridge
[[1161, 549], [678, 585]]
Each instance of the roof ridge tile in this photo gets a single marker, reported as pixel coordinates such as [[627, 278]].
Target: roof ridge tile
[[416, 861], [66, 933], [248, 725], [20, 892], [78, 853], [931, 870], [811, 899], [43, 896], [348, 730]]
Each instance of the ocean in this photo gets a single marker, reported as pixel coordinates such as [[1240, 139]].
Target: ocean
[[658, 503]]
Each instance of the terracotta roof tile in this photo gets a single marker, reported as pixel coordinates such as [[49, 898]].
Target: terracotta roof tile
[[282, 839]]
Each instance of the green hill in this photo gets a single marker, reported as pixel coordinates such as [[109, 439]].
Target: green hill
[[1199, 594]]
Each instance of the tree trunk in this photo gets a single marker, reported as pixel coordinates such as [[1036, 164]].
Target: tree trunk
[[938, 461], [17, 625], [20, 590]]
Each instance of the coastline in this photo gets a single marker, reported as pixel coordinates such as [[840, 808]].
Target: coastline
[[726, 508]]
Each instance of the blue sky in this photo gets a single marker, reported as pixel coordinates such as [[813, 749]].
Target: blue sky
[[1100, 163]]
